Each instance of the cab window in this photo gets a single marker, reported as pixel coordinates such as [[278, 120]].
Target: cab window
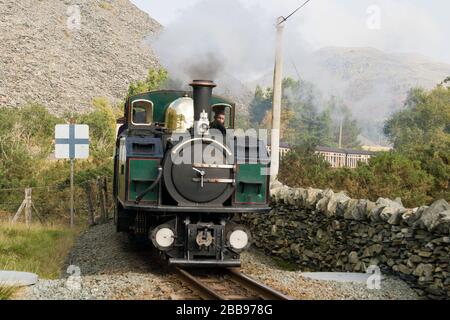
[[228, 114], [142, 112]]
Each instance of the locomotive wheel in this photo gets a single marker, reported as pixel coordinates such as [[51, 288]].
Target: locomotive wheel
[[121, 218]]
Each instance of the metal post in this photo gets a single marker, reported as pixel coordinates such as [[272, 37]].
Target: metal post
[[276, 108], [71, 192]]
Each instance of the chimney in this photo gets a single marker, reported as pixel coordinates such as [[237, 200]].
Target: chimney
[[202, 92]]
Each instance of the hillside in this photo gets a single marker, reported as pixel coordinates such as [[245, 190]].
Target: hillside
[[53, 60], [374, 83]]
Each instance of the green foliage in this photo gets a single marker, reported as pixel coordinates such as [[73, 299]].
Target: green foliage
[[388, 174], [26, 136], [26, 143], [154, 80], [102, 129], [302, 167], [303, 119], [424, 120], [391, 175], [418, 171], [261, 103]]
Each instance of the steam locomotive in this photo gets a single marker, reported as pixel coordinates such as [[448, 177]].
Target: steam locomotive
[[179, 185]]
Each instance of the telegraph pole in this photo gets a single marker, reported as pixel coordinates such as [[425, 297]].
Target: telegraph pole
[[276, 107], [277, 94]]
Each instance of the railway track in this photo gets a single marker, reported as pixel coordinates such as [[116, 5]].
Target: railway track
[[227, 284]]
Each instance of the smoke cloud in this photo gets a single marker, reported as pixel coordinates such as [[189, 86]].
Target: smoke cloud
[[233, 43], [212, 38]]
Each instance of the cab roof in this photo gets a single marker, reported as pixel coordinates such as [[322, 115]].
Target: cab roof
[[161, 99]]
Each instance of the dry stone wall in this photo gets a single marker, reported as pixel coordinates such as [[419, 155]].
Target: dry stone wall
[[320, 230]]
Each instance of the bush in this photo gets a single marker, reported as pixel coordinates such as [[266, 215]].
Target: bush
[[302, 167], [26, 142], [389, 175]]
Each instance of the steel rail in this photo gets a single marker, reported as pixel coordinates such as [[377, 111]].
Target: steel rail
[[259, 290], [265, 292]]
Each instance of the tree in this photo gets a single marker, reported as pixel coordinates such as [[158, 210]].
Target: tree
[[261, 103], [301, 120], [424, 120], [155, 79]]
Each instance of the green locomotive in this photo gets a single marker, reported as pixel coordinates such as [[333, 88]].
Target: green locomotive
[[179, 183]]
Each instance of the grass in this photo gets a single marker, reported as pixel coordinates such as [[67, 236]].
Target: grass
[[6, 292], [38, 249]]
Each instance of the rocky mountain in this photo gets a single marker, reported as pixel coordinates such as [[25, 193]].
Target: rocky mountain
[[62, 53], [372, 82]]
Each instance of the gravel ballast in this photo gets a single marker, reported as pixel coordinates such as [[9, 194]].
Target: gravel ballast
[[110, 267]]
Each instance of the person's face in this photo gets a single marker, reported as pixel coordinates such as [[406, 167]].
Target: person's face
[[220, 118]]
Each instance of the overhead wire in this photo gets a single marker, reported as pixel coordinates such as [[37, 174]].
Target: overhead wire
[[294, 12]]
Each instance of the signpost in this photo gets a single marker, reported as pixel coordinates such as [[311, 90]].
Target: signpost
[[71, 142]]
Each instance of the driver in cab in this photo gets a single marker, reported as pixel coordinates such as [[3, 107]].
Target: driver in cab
[[219, 122]]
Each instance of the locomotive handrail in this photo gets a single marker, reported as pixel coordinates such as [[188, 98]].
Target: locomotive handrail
[[153, 185], [178, 146]]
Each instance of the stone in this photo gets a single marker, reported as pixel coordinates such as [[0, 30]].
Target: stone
[[395, 218], [372, 250], [275, 184], [399, 201], [380, 205], [425, 254], [17, 278], [388, 212], [424, 270], [356, 210], [308, 253], [437, 213], [321, 205], [313, 195], [415, 258], [404, 269], [335, 203], [296, 249], [353, 257]]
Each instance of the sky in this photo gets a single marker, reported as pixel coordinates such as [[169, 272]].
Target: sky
[[413, 26]]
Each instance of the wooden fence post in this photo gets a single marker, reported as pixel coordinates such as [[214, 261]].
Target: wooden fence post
[[102, 199], [26, 204], [90, 203], [105, 186]]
